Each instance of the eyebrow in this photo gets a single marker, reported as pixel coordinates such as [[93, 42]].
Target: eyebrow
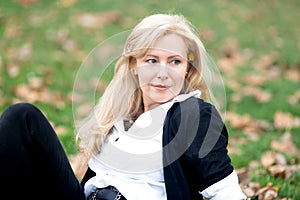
[[173, 56]]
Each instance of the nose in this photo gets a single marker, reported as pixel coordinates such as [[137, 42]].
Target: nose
[[163, 72]]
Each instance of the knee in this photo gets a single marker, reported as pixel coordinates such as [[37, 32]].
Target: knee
[[19, 109]]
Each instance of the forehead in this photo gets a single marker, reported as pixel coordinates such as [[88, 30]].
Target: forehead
[[171, 44]]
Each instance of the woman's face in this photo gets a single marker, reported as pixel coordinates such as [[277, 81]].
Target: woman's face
[[161, 72]]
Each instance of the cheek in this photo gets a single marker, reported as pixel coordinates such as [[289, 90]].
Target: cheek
[[178, 75], [144, 78]]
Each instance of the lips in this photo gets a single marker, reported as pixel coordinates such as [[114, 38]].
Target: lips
[[160, 86]]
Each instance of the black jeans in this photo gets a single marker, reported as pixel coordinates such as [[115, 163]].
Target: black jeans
[[33, 164]]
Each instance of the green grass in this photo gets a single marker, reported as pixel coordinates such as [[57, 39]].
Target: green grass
[[258, 27]]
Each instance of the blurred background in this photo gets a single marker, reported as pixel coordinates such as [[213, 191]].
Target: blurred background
[[255, 45]]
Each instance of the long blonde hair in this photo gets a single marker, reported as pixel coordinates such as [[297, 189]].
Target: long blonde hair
[[122, 97]]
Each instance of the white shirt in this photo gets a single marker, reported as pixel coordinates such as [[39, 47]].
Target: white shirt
[[132, 160]]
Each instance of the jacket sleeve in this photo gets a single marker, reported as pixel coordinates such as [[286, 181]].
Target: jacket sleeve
[[196, 131], [227, 188]]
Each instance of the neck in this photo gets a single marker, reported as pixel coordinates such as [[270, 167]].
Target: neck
[[150, 107]]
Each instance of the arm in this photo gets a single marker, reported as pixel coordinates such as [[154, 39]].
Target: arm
[[215, 174], [227, 188], [197, 129]]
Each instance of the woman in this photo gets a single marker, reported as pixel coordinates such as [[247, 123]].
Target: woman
[[153, 135]]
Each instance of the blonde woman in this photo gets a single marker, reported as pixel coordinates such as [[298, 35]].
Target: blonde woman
[[154, 133]]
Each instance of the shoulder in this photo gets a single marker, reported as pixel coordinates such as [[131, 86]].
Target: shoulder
[[191, 106], [194, 112]]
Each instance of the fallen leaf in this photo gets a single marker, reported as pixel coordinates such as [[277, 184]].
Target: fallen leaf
[[13, 70], [232, 57], [268, 158], [278, 171], [246, 123], [294, 98], [93, 21], [26, 2], [67, 3], [255, 79], [36, 83], [238, 121], [284, 120], [243, 176], [24, 52], [266, 61], [60, 130], [13, 31], [207, 34], [293, 74], [257, 93], [285, 144], [37, 91], [268, 192]]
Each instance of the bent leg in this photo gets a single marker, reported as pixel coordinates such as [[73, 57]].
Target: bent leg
[[32, 158]]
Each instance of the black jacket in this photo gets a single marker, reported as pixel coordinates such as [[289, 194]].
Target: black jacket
[[195, 149]]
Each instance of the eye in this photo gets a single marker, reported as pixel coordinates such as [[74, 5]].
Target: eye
[[151, 61], [175, 62]]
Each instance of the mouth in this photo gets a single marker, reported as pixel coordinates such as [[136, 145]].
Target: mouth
[[160, 87]]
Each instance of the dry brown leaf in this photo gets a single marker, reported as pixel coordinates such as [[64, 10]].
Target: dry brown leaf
[[257, 93], [280, 159], [36, 83], [233, 84], [231, 47], [266, 61], [238, 121], [26, 2], [88, 20], [13, 70], [233, 147], [283, 171], [236, 98], [284, 120], [251, 189], [254, 190], [232, 57], [36, 91], [249, 192], [257, 127], [294, 98], [228, 64], [268, 192], [207, 34], [250, 126], [268, 158], [69, 45], [243, 176], [24, 52], [293, 74], [60, 130], [255, 79], [278, 170], [12, 31], [93, 21], [67, 3], [24, 92], [285, 144]]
